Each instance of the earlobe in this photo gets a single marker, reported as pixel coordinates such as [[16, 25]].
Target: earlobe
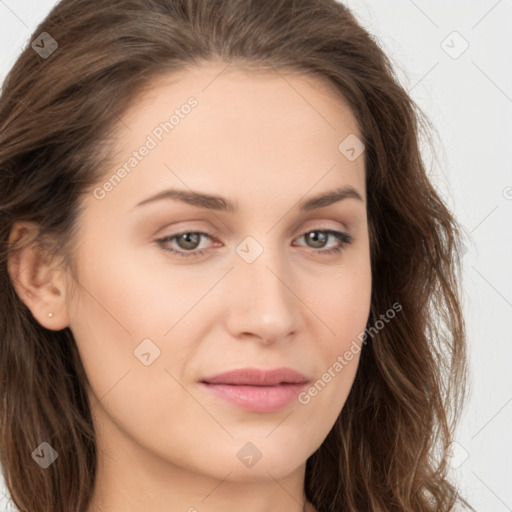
[[39, 286]]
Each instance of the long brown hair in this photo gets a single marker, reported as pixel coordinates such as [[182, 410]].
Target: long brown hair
[[58, 115]]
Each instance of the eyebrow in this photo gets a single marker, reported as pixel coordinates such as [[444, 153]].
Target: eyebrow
[[215, 202]]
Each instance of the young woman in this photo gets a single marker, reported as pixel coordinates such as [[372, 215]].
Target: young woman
[[228, 283]]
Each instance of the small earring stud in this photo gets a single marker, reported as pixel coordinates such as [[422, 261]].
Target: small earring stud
[[50, 315]]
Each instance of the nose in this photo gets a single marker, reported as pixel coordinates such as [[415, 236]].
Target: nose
[[262, 304]]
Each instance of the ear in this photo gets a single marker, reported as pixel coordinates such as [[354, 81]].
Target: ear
[[39, 286]]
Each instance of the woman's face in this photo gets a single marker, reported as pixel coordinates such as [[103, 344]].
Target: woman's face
[[257, 286]]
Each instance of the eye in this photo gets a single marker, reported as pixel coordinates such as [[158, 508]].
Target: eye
[[188, 242], [320, 236]]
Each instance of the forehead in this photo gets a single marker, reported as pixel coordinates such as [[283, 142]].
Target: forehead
[[230, 97], [248, 132]]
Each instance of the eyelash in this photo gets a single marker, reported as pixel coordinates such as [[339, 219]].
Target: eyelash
[[344, 239]]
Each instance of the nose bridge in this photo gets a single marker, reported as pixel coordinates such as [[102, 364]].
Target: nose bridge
[[263, 303]]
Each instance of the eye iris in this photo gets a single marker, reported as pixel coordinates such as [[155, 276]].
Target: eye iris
[[187, 238], [315, 236]]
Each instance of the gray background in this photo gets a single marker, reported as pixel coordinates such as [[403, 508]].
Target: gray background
[[468, 96]]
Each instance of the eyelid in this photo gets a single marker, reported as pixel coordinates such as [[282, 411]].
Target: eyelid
[[311, 225]]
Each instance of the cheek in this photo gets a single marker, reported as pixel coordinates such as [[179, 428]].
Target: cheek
[[123, 310], [110, 313], [342, 304], [343, 309], [125, 292], [119, 317]]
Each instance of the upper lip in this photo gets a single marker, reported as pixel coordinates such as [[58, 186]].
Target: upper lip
[[258, 377]]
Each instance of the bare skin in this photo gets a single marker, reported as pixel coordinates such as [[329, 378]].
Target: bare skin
[[266, 143]]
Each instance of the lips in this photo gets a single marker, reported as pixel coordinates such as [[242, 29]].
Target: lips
[[260, 391], [256, 377]]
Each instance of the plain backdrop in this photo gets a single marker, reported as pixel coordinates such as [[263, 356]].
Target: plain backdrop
[[455, 60]]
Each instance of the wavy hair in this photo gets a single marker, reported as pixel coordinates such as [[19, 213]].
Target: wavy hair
[[387, 451]]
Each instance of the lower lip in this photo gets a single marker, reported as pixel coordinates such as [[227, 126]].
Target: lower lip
[[257, 398]]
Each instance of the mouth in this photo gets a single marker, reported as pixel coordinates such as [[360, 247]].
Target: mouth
[[257, 390]]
